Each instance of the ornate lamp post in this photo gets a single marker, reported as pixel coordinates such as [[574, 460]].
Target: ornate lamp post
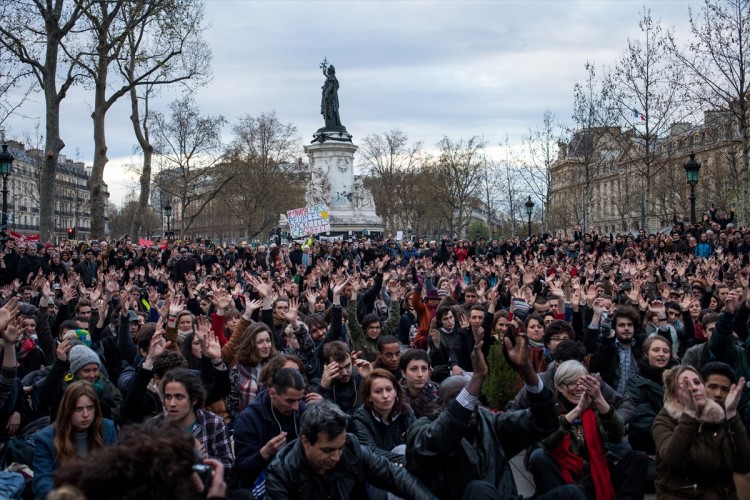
[[692, 169], [529, 210], [168, 215], [6, 162]]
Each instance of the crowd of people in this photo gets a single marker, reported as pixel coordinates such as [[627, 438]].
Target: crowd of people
[[360, 369]]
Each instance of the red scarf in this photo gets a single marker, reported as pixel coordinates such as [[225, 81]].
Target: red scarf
[[571, 465]]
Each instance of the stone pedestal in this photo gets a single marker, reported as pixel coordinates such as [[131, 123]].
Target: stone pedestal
[[350, 206]]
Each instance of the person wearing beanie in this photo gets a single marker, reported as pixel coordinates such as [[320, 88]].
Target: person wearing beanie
[[84, 363], [73, 363]]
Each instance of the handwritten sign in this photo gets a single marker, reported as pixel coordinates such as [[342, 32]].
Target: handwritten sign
[[312, 219]]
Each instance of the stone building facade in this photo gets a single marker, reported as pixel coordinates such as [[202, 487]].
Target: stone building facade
[[72, 208], [599, 178]]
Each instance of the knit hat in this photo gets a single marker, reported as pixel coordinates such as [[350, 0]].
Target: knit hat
[[78, 336], [80, 356]]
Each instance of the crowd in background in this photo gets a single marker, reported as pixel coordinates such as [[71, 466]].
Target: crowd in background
[[364, 368]]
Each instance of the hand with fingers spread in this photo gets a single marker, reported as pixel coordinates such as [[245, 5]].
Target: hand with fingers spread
[[157, 346], [176, 305], [212, 348], [9, 312], [202, 328], [292, 313], [63, 349], [13, 331]]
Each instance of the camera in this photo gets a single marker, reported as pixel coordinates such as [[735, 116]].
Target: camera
[[206, 473]]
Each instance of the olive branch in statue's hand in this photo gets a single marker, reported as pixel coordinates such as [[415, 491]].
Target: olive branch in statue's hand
[[324, 65]]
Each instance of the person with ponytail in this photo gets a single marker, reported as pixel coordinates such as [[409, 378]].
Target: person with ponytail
[[78, 430], [576, 453]]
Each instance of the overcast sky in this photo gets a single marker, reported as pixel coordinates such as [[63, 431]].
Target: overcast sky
[[435, 68]]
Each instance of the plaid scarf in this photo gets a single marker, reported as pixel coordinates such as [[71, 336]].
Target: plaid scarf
[[247, 383]]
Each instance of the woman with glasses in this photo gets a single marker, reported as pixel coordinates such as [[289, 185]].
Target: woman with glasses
[[577, 453]]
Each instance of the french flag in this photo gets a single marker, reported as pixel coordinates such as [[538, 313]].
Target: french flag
[[639, 115]]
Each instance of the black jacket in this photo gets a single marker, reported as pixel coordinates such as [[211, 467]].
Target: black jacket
[[290, 476], [380, 437], [462, 445]]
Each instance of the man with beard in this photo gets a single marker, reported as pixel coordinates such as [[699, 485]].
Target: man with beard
[[614, 352]]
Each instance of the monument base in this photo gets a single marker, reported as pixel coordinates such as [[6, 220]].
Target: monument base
[[332, 183], [338, 134]]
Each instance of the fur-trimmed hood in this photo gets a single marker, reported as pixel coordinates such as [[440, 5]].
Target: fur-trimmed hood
[[713, 413]]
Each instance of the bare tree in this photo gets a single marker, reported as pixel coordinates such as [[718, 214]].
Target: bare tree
[[590, 129], [718, 60], [263, 150], [490, 190], [387, 158], [169, 49], [16, 84], [540, 146], [188, 148], [645, 95], [112, 23], [510, 190], [38, 34], [457, 178]]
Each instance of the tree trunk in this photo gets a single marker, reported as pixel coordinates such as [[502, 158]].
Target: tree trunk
[[96, 182], [745, 172], [137, 223], [53, 144]]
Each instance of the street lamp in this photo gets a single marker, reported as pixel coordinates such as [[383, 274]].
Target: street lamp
[[168, 215], [529, 210], [6, 162], [692, 168]]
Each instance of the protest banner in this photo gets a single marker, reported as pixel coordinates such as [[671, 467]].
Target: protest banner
[[312, 219]]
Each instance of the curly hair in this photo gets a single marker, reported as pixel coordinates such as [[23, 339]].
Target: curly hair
[[192, 383], [64, 431], [151, 460], [247, 351]]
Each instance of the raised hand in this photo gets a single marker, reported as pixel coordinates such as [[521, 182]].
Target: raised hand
[[9, 312], [202, 328], [733, 398], [732, 300], [291, 314], [63, 349], [157, 345], [252, 305], [211, 347], [478, 363], [12, 332], [176, 305]]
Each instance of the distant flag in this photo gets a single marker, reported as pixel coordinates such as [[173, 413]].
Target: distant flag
[[639, 115]]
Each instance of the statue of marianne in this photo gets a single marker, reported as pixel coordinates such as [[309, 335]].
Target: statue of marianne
[[329, 104]]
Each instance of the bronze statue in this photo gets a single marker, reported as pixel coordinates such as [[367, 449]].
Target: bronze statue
[[329, 104]]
